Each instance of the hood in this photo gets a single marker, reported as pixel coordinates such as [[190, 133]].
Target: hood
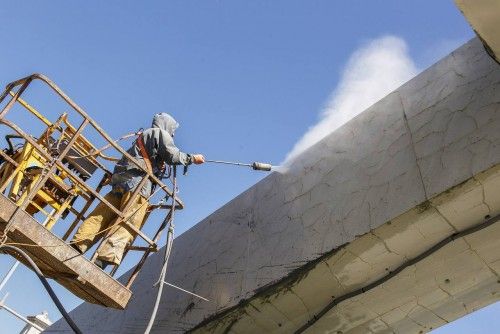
[[165, 122]]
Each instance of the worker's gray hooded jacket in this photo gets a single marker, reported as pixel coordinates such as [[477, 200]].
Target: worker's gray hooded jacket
[[159, 143]]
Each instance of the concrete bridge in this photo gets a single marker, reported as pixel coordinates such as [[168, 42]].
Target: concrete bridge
[[388, 225]]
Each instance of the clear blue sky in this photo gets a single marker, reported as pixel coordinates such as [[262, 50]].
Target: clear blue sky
[[244, 78]]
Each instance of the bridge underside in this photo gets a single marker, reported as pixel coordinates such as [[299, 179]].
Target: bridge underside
[[457, 279]]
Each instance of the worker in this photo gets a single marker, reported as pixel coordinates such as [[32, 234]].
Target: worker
[[153, 148]]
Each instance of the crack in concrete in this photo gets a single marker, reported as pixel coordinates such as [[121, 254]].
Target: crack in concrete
[[405, 119], [432, 311], [444, 217], [387, 246], [486, 264], [483, 195]]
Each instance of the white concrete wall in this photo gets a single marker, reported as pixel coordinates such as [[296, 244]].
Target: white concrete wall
[[434, 132]]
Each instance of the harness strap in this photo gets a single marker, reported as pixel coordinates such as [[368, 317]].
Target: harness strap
[[144, 153]]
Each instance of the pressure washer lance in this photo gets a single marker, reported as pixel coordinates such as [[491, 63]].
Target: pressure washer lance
[[255, 166]]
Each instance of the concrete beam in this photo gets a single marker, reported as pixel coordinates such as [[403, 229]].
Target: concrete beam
[[460, 277], [393, 165], [483, 17]]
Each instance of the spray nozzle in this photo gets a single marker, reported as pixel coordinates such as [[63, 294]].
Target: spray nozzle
[[262, 166]]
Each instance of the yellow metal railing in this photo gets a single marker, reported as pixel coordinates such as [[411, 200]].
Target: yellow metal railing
[[49, 173]]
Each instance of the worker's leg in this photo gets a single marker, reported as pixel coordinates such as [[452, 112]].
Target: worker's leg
[[87, 234], [113, 247]]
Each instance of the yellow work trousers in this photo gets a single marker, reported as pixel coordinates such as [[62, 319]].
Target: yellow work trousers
[[118, 237]]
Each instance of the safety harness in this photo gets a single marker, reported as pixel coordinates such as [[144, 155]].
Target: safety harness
[[144, 153]]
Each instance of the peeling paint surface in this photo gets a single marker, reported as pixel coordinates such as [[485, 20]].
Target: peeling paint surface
[[417, 166]]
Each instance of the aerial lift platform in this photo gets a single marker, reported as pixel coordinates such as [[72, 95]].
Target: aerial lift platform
[[56, 176]]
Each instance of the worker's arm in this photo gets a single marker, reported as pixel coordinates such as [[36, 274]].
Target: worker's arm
[[169, 153]]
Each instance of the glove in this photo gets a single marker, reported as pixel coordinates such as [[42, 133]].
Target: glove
[[198, 159]]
